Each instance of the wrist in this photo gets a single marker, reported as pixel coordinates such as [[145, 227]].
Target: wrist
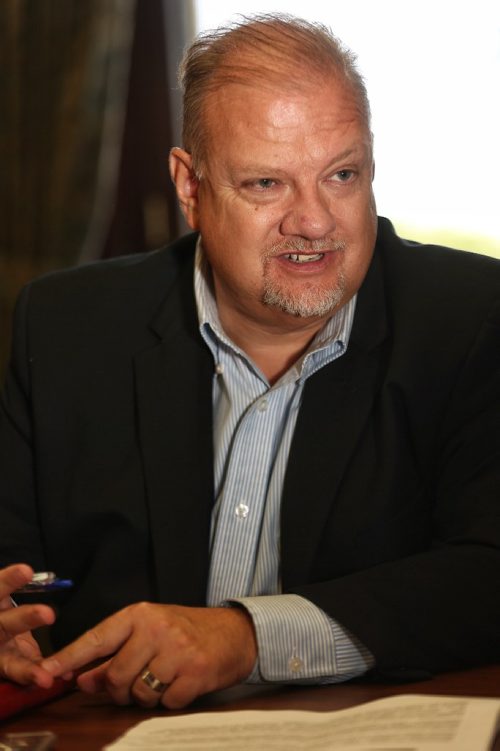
[[247, 638]]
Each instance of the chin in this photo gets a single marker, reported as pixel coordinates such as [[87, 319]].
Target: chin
[[312, 302]]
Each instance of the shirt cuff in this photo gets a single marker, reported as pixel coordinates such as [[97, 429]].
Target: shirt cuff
[[299, 642]]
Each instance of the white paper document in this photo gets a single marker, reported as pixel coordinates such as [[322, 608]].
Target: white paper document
[[398, 723]]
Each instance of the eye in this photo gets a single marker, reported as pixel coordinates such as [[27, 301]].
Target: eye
[[260, 184], [261, 189], [343, 175], [264, 183]]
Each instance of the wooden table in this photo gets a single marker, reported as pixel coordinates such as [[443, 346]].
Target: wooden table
[[86, 723]]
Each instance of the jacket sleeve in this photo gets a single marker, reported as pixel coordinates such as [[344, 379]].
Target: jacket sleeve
[[20, 536]]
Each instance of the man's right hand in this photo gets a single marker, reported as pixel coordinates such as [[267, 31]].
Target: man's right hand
[[19, 652]]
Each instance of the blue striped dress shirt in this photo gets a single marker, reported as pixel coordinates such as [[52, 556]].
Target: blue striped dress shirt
[[253, 429]]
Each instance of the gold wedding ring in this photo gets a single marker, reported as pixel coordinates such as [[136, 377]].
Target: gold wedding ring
[[152, 681]]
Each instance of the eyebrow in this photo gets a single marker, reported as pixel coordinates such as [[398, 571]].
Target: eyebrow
[[263, 170]]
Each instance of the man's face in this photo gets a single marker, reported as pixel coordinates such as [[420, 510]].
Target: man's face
[[285, 204]]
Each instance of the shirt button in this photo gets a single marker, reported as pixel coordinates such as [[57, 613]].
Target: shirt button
[[295, 664], [263, 405], [219, 368], [241, 510]]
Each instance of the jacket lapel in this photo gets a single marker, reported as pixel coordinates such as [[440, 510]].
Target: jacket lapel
[[336, 404], [174, 393], [176, 439]]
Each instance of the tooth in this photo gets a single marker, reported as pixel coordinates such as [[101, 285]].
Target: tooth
[[302, 258]]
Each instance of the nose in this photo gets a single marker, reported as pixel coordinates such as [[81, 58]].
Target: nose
[[309, 215]]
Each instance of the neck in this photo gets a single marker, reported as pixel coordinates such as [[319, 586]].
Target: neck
[[274, 349]]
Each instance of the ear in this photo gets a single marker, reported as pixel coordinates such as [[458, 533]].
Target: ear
[[186, 184]]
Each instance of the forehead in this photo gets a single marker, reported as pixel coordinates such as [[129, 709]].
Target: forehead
[[241, 120]]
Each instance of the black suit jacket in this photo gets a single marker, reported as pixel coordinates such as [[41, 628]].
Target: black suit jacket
[[390, 514]]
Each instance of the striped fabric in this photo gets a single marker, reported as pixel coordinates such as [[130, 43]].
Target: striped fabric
[[253, 430]]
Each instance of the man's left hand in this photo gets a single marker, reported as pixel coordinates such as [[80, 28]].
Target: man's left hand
[[190, 650]]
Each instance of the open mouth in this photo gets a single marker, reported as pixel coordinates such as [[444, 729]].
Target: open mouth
[[303, 258]]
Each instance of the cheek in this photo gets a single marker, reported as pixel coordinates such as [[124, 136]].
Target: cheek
[[358, 216], [234, 249], [248, 230], [363, 244]]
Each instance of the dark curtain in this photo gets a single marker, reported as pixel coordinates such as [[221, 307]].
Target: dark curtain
[[145, 214], [88, 113]]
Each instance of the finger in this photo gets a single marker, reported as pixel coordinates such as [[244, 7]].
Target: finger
[[94, 680], [97, 679], [143, 693], [27, 646], [13, 577], [128, 663], [25, 618], [182, 691], [100, 641], [19, 669]]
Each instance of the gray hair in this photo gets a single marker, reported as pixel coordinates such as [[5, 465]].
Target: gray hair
[[266, 49]]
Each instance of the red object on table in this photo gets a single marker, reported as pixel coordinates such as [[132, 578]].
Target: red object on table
[[14, 698]]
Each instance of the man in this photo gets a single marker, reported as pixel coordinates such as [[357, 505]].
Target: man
[[305, 439]]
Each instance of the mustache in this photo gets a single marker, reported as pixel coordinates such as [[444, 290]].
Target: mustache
[[301, 245]]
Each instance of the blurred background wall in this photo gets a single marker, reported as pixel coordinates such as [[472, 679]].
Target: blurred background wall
[[88, 113]]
